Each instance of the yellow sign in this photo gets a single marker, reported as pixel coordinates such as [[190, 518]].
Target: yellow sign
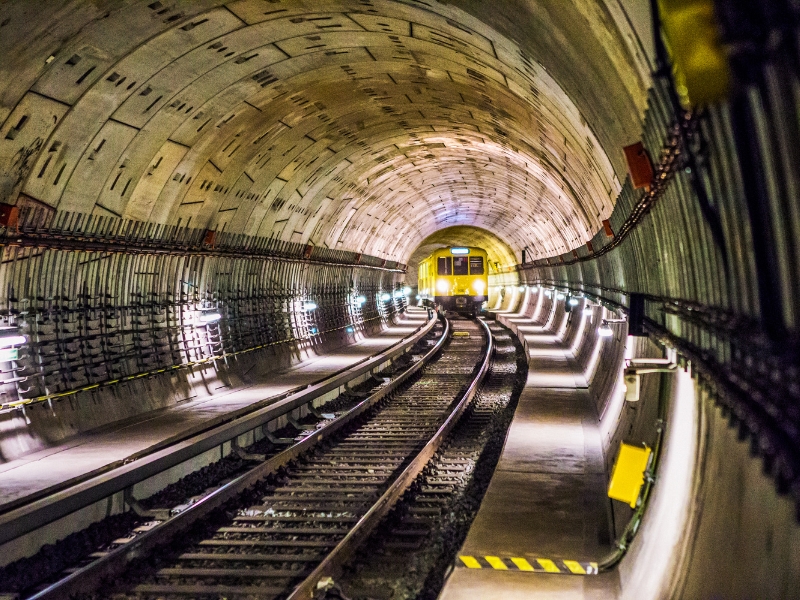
[[628, 475]]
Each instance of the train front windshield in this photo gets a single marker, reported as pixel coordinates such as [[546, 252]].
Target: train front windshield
[[475, 265], [460, 265]]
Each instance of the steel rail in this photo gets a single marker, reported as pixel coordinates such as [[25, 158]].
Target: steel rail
[[18, 520], [89, 578], [331, 566]]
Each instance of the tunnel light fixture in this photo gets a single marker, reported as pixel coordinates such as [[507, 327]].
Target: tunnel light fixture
[[605, 330], [459, 250], [588, 311], [560, 296], [314, 331], [310, 305], [386, 297], [574, 302], [522, 288], [361, 299], [406, 291], [350, 329], [11, 336], [548, 293], [419, 297], [399, 294], [209, 316]]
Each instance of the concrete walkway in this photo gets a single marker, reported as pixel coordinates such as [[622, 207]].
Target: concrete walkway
[[74, 458], [546, 499]]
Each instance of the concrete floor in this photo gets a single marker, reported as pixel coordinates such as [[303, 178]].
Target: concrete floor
[[76, 458], [547, 498]]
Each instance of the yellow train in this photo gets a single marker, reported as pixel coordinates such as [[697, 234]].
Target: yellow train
[[455, 278]]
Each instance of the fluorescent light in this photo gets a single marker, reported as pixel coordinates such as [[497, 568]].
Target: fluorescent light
[[310, 305], [574, 302], [522, 288], [419, 297], [361, 299], [349, 330], [588, 311], [560, 296], [386, 297], [605, 331], [459, 250], [406, 291], [210, 317], [11, 337]]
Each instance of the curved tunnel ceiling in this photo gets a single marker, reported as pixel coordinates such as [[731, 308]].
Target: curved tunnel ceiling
[[361, 125]]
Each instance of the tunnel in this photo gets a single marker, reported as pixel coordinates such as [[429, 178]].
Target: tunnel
[[208, 207]]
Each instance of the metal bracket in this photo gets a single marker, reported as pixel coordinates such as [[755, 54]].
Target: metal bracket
[[157, 514]]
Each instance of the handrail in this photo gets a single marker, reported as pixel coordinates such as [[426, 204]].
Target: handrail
[[332, 564]]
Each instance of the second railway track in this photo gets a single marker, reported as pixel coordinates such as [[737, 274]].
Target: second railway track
[[284, 533]]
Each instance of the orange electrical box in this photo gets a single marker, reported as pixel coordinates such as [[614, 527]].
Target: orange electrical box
[[639, 165], [308, 251], [210, 237], [607, 228], [589, 247], [9, 215]]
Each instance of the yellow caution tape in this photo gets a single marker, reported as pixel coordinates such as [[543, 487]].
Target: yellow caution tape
[[534, 565]]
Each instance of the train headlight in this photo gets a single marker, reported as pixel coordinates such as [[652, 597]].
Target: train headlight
[[442, 286], [479, 286]]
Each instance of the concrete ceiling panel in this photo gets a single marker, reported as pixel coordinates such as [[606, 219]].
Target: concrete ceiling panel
[[365, 126]]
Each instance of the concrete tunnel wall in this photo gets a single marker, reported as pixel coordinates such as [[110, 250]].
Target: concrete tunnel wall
[[150, 348]]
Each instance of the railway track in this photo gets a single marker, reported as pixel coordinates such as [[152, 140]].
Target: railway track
[[409, 555], [285, 534]]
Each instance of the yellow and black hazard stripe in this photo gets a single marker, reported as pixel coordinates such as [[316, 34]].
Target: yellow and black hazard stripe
[[532, 565]]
